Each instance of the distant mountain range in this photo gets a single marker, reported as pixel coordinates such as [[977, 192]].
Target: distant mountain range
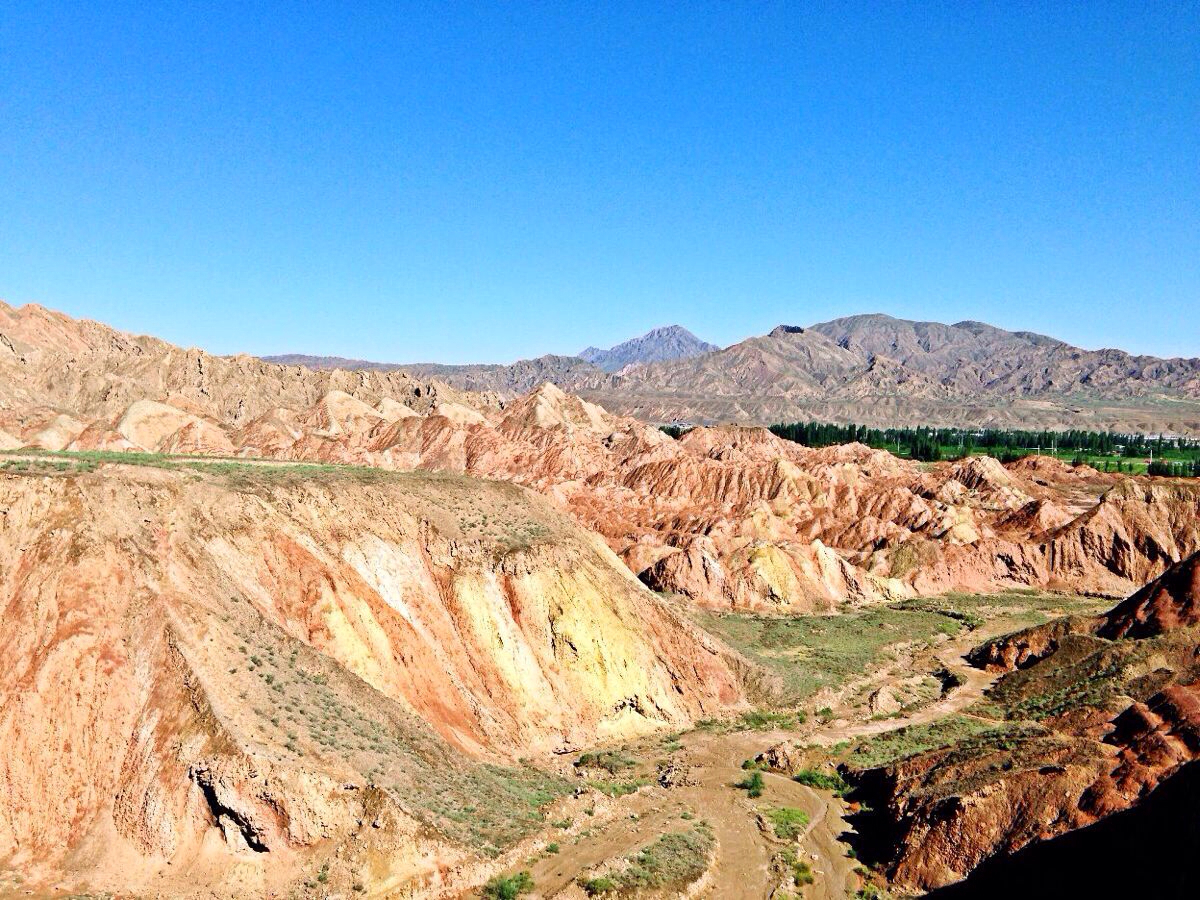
[[657, 345], [664, 344], [871, 369]]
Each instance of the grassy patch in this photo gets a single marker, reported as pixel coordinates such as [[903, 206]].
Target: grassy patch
[[809, 653], [789, 823], [881, 749], [674, 859], [44, 467], [823, 781], [618, 787], [1016, 608]]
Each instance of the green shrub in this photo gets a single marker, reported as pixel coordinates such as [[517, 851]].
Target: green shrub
[[752, 784], [802, 873], [595, 887], [508, 887], [608, 760], [822, 781]]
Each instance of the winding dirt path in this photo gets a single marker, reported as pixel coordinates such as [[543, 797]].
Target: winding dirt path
[[746, 849]]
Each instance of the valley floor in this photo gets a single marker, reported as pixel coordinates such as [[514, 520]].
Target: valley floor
[[692, 777]]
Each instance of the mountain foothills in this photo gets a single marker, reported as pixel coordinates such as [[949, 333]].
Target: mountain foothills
[[275, 629], [870, 369]]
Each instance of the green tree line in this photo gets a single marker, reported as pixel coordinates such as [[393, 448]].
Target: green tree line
[[1108, 450]]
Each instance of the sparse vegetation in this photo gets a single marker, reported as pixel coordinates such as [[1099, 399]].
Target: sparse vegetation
[[676, 858], [799, 869], [310, 709], [890, 746], [598, 887], [618, 788], [809, 653], [789, 823], [610, 761], [871, 891], [754, 720]]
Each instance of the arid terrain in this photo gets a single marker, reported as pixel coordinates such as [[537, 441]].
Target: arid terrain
[[279, 631]]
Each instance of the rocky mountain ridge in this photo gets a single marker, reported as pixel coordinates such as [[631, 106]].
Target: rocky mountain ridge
[[729, 517], [880, 371]]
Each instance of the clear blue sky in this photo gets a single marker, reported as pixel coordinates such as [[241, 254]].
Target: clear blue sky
[[471, 182]]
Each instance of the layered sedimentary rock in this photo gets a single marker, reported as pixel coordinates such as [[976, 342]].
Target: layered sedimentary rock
[[218, 669]]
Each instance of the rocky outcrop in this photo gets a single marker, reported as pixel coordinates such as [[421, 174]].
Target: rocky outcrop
[[53, 361]]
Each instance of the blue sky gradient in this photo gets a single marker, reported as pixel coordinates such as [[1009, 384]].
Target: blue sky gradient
[[482, 182]]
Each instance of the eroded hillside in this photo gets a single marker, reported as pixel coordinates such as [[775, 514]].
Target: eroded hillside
[[275, 630], [203, 664]]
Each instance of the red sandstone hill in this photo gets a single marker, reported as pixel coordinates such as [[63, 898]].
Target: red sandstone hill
[[1170, 601], [1096, 714]]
